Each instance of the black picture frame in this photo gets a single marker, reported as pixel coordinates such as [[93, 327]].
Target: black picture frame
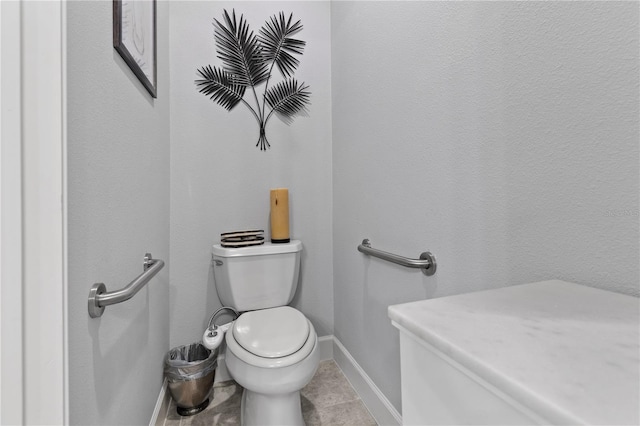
[[134, 38]]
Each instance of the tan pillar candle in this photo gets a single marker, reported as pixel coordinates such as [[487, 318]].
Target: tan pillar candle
[[280, 215]]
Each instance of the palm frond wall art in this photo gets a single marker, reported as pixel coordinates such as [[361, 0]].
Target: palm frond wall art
[[248, 61]]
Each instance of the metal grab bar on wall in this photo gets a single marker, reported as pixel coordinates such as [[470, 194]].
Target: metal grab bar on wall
[[426, 262], [99, 297]]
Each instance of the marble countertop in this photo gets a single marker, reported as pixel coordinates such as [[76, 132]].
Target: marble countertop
[[569, 352]]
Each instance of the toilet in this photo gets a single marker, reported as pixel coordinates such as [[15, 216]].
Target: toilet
[[271, 348]]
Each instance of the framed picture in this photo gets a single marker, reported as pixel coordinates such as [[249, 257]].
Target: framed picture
[[134, 37]]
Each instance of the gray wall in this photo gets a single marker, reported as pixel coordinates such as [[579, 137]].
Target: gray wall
[[118, 209], [502, 136], [220, 181]]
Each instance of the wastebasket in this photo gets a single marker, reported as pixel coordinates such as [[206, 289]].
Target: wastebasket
[[190, 370]]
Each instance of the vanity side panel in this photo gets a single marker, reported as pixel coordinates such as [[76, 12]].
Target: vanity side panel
[[436, 390]]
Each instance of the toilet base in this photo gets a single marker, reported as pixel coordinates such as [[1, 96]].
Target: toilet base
[[271, 410]]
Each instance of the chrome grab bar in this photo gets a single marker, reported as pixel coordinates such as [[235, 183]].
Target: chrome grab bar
[[99, 297], [427, 261]]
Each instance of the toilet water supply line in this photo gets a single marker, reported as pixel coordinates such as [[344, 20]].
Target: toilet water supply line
[[214, 334]]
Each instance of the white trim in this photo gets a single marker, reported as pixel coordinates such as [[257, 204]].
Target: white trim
[[325, 344], [65, 234], [162, 406], [44, 346], [372, 397], [11, 326], [222, 374]]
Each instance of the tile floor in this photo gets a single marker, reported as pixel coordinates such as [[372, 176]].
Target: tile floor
[[328, 399]]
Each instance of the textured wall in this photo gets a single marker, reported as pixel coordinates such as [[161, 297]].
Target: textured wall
[[502, 136], [118, 209], [220, 181]]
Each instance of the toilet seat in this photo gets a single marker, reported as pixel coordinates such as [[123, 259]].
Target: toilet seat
[[256, 333], [264, 337]]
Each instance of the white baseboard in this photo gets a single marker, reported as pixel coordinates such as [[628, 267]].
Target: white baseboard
[[162, 406], [379, 406], [330, 348], [222, 374], [325, 346]]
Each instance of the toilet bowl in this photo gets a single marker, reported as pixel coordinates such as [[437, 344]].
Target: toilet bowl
[[272, 353]]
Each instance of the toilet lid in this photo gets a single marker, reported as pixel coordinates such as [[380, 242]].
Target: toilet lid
[[272, 333]]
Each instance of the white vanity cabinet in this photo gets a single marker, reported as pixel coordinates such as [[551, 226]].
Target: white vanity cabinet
[[550, 352]]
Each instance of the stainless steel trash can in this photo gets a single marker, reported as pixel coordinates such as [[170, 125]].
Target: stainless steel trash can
[[190, 371]]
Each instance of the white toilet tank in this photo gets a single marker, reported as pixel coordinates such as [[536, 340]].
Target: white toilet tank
[[257, 277]]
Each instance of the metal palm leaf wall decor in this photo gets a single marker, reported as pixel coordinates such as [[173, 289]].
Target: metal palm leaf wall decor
[[248, 61]]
